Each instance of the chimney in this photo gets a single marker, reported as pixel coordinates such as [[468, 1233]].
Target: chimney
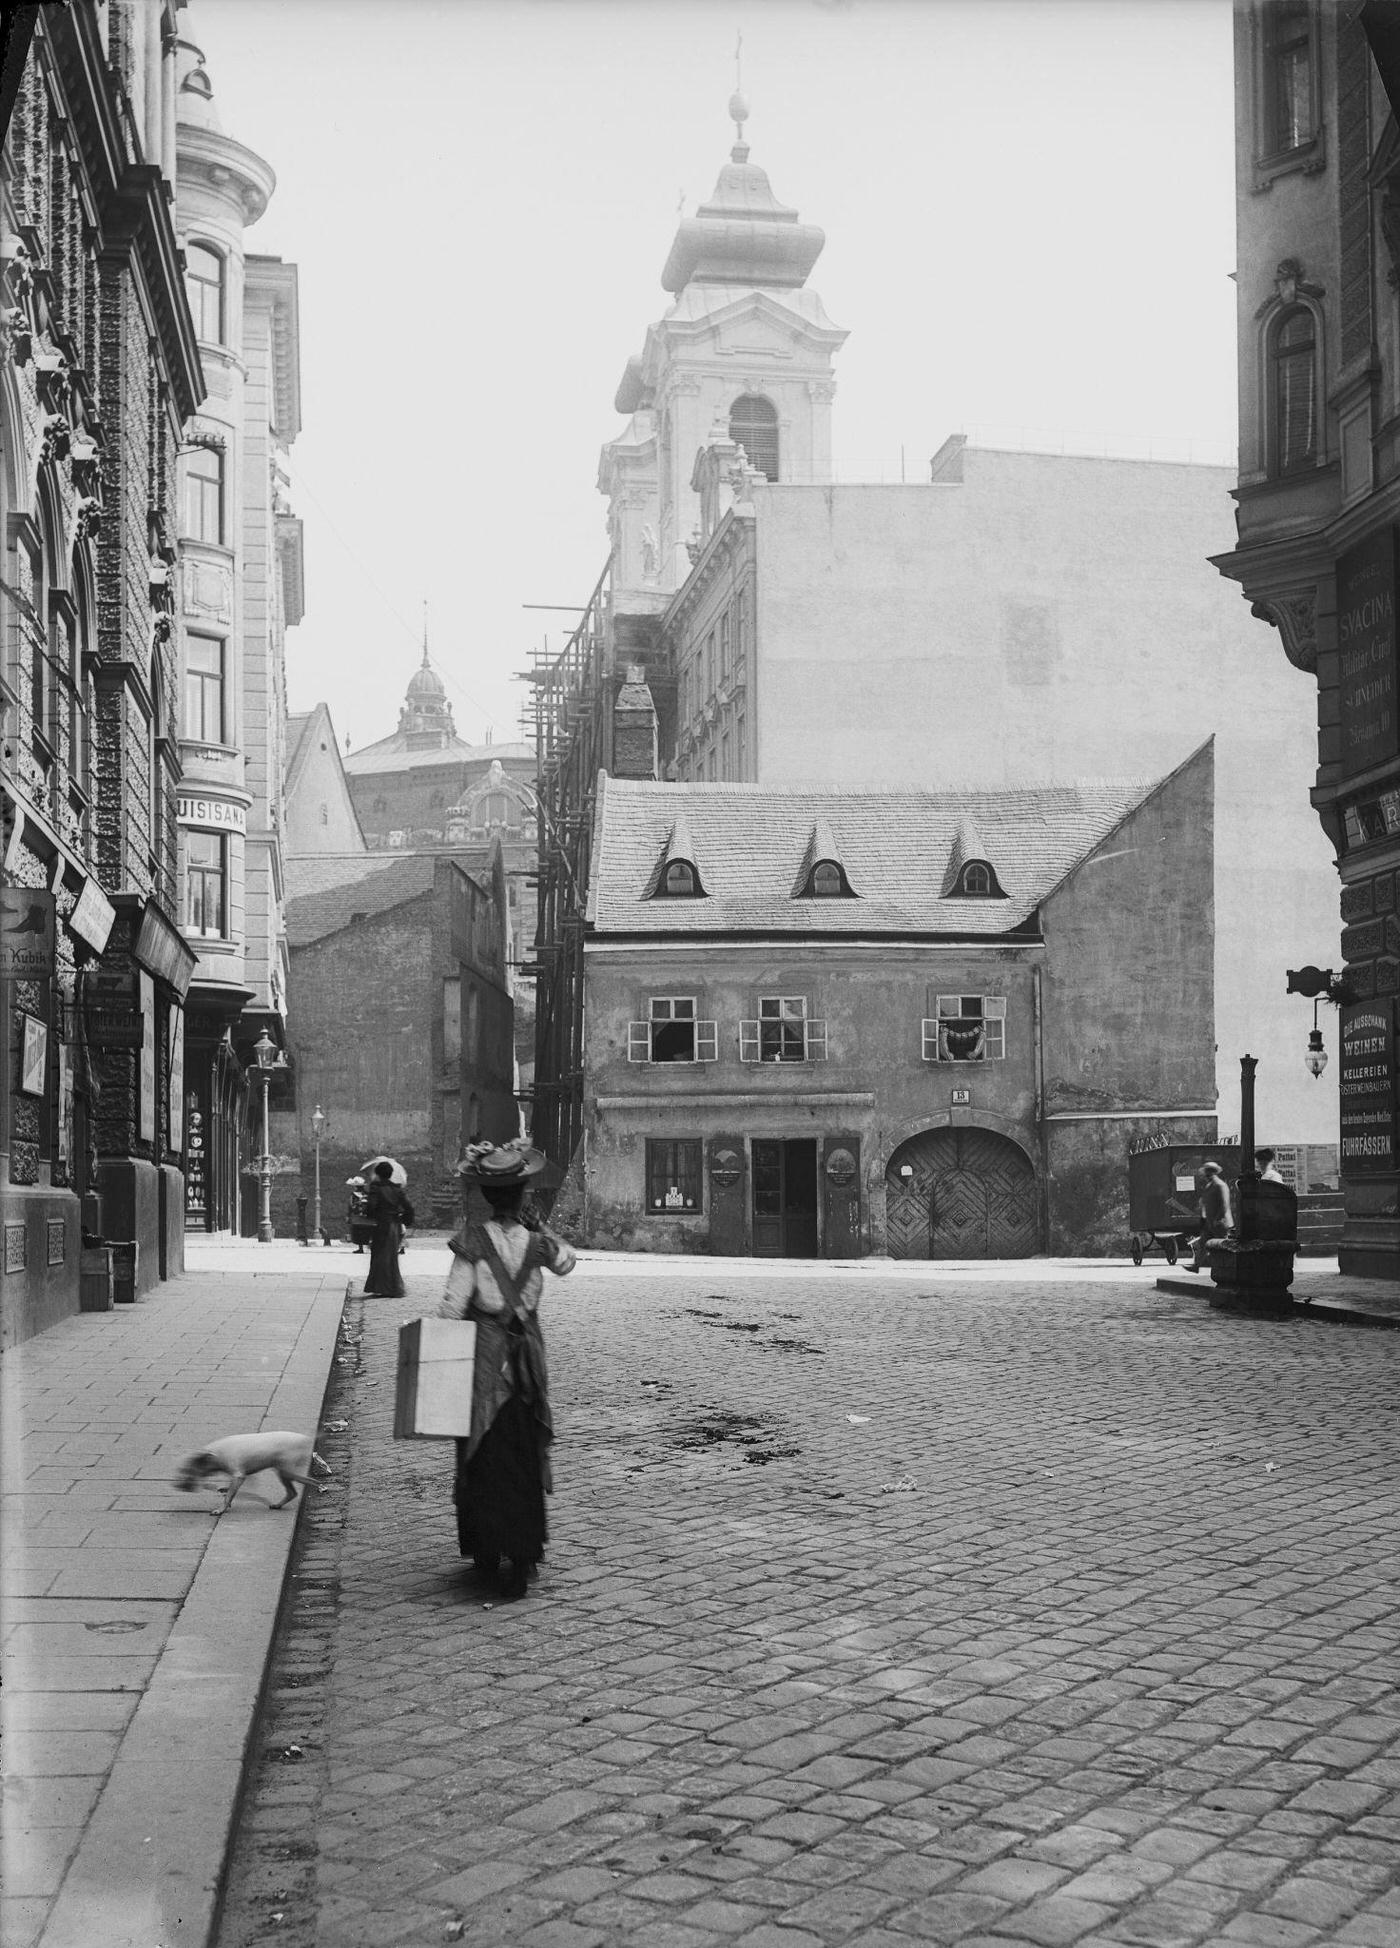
[[635, 752]]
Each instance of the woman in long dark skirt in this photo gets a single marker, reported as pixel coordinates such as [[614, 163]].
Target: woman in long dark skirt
[[388, 1209], [503, 1472]]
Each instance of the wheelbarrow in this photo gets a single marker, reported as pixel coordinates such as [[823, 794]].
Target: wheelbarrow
[[1170, 1244]]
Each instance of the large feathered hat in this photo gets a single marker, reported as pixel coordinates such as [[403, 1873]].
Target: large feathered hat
[[503, 1164]]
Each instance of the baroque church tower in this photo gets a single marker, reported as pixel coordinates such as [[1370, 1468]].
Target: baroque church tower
[[743, 354]]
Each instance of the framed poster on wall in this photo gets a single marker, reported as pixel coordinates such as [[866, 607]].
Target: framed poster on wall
[[65, 1102], [146, 1112], [33, 1056], [177, 1080]]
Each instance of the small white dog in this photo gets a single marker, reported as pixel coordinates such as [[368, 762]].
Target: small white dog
[[291, 1457]]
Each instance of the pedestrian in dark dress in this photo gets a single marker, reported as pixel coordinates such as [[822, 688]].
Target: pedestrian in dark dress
[[503, 1472], [388, 1209]]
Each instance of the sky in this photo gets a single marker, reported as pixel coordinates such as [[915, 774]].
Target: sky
[[1029, 213]]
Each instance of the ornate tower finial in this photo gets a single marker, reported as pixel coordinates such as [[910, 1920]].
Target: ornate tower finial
[[738, 107], [425, 632]]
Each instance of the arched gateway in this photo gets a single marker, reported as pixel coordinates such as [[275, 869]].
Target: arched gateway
[[960, 1193]]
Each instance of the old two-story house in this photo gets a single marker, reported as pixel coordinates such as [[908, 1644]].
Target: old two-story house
[[922, 1023]]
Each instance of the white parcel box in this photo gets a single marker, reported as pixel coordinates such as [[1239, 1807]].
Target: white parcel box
[[433, 1401]]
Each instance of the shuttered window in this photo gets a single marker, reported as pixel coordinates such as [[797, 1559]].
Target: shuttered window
[[1294, 379], [967, 1028], [671, 1033], [753, 425]]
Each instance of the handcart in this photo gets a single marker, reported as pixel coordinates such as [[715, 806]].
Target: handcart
[[1162, 1194]]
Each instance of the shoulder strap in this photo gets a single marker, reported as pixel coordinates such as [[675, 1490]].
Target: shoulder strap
[[505, 1281]]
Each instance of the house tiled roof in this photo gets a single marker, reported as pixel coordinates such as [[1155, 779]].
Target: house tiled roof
[[324, 894], [895, 847]]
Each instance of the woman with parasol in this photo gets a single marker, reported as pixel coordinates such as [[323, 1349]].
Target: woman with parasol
[[503, 1471], [387, 1208]]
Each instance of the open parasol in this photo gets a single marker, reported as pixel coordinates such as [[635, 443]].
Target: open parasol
[[397, 1173]]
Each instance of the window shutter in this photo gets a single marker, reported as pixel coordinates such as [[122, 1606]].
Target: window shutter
[[706, 1041], [930, 1029], [816, 1040], [639, 1041], [748, 1041]]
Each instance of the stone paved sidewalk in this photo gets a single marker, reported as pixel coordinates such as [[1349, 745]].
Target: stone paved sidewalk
[[136, 1621], [876, 1612]]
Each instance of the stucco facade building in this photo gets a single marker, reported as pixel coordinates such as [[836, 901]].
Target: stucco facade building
[[1318, 510], [1014, 617], [929, 1024], [425, 789], [401, 1028], [99, 369], [239, 590]]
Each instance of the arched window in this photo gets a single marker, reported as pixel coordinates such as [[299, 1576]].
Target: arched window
[[1293, 391], [493, 810], [204, 495], [753, 425], [826, 881], [204, 281], [976, 879], [680, 878]]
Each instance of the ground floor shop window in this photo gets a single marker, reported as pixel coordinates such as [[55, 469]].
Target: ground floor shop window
[[673, 1176]]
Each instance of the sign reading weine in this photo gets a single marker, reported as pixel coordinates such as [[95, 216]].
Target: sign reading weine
[[1366, 642], [1368, 1087]]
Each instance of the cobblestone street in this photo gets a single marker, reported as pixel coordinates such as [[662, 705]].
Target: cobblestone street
[[877, 1609]]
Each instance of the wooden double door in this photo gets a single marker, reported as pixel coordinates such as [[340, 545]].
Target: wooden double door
[[786, 1197], [960, 1193]]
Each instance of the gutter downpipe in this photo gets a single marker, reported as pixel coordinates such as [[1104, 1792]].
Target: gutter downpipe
[[1042, 1128]]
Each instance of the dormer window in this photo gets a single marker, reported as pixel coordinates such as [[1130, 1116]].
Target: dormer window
[[821, 875], [977, 881], [676, 875]]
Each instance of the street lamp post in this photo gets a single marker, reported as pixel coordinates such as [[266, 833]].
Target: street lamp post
[[318, 1130], [265, 1049]]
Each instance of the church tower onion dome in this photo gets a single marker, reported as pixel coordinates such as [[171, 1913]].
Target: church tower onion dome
[[425, 683], [743, 235], [426, 718]]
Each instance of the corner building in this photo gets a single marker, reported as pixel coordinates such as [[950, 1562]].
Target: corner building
[[239, 590], [99, 369], [1318, 503]]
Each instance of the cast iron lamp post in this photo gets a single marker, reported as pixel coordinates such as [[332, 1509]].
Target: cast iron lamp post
[[318, 1130], [265, 1049]]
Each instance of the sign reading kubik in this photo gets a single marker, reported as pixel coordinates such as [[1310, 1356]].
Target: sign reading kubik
[[26, 933], [1366, 645]]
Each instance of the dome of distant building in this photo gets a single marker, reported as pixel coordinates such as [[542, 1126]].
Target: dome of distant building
[[426, 682]]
